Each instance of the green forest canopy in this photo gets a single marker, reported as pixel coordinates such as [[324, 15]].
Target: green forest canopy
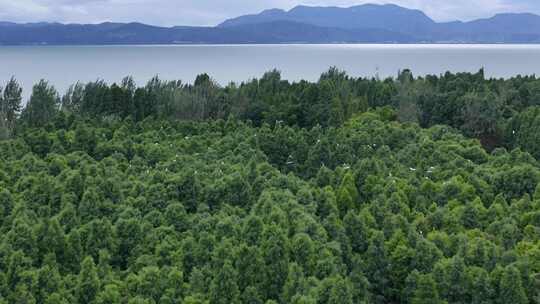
[[347, 190]]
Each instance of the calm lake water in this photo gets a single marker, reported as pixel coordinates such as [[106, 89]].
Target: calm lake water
[[65, 65]]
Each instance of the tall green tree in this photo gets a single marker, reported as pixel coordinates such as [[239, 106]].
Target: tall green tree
[[276, 259], [10, 107], [426, 291], [43, 105], [347, 195], [224, 289], [511, 287], [88, 283]]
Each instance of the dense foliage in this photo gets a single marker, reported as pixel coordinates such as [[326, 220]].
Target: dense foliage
[[342, 191], [499, 112]]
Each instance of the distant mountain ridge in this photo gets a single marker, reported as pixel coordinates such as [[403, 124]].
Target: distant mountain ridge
[[368, 23], [509, 27], [388, 17]]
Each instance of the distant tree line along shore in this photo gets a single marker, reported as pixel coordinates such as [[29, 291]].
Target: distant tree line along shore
[[345, 190]]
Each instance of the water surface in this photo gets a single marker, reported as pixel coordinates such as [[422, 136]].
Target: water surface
[[65, 65]]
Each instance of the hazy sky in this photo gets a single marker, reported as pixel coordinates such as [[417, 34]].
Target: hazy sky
[[211, 12]]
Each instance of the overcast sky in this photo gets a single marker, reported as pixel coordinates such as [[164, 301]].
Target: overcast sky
[[212, 12]]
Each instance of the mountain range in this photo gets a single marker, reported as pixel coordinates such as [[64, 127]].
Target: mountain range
[[368, 23]]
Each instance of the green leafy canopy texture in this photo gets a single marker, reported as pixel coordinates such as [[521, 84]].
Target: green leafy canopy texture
[[273, 192]]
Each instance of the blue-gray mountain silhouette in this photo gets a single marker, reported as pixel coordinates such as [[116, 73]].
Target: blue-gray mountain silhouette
[[367, 23]]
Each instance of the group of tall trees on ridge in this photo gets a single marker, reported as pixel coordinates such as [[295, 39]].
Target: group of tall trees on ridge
[[492, 110], [341, 191]]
